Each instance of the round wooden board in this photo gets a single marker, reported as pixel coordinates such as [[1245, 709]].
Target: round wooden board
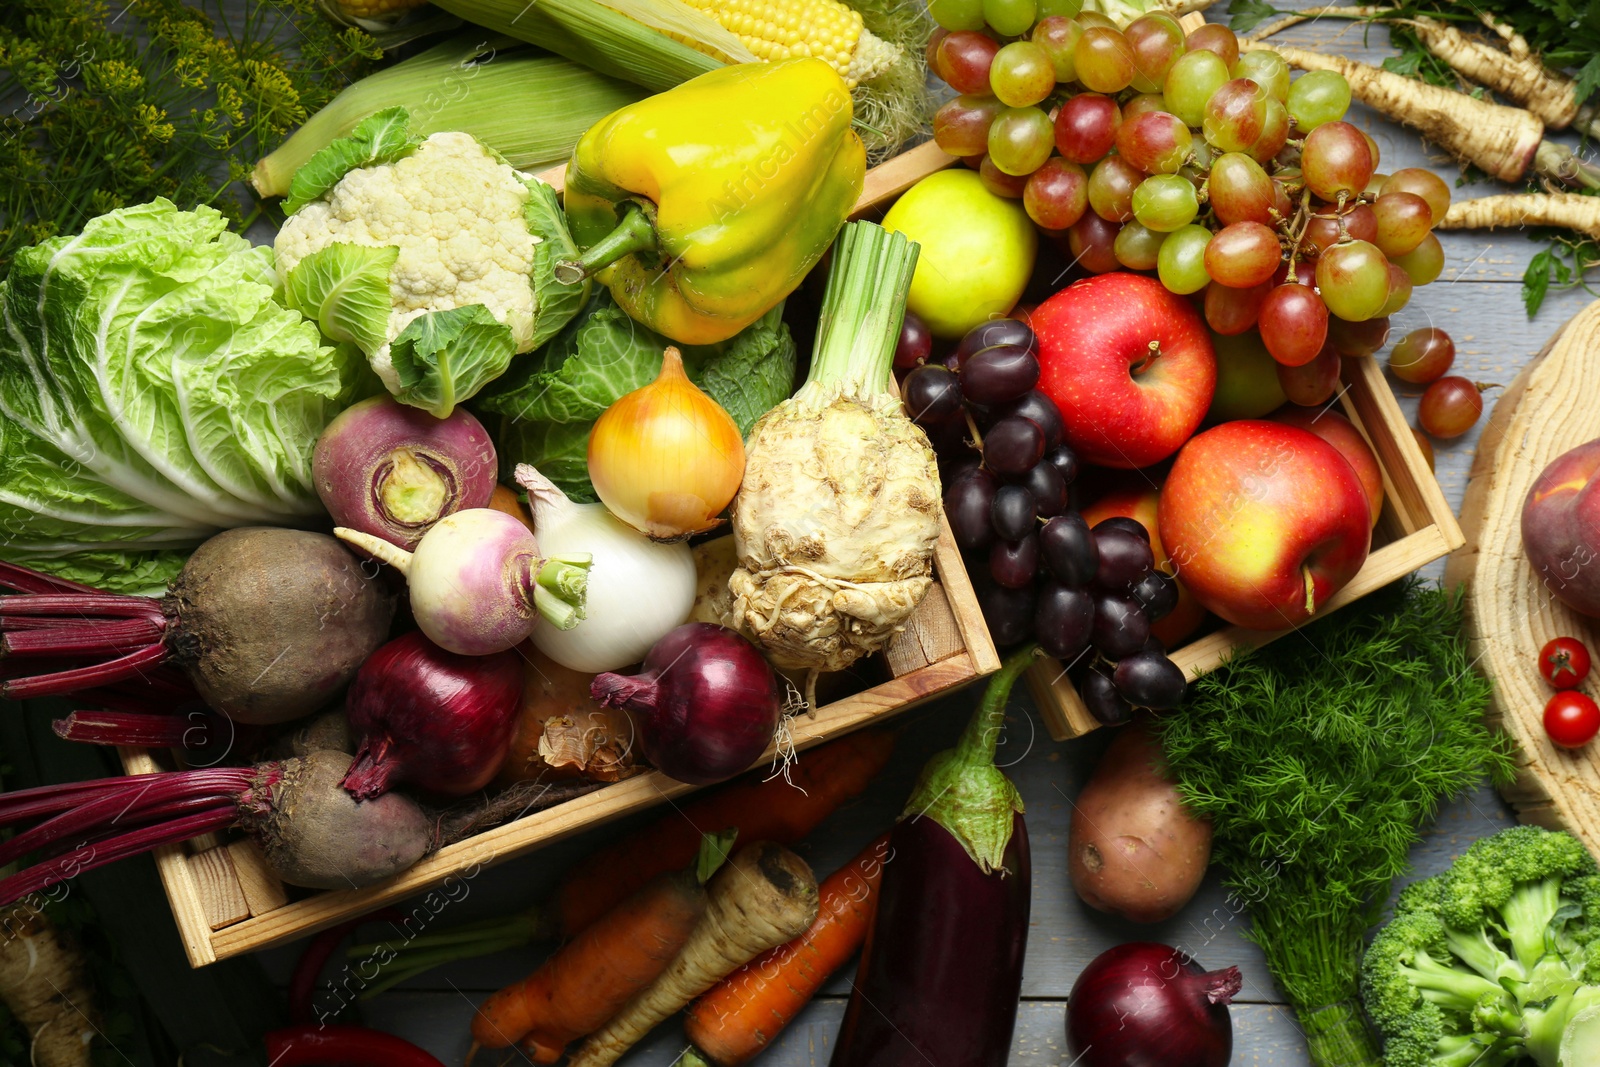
[[1551, 407]]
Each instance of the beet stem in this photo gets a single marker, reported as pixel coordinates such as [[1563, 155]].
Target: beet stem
[[134, 728], [111, 849], [24, 580], [79, 604], [43, 800], [10, 623], [67, 641], [116, 670]]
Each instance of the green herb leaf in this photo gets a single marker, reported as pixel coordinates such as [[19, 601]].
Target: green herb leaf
[[1536, 280], [444, 357], [1589, 74], [1246, 15], [380, 138]]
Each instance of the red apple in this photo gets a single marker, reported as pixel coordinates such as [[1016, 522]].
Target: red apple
[[1129, 364], [1264, 521], [1341, 433], [1142, 505], [1561, 528]]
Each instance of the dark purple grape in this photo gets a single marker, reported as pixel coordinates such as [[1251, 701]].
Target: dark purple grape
[[1122, 522], [992, 334], [1038, 408], [951, 442], [1013, 512], [932, 395], [1012, 447], [1063, 621], [1069, 550], [1125, 557], [1065, 461], [1158, 593], [915, 344], [1014, 563], [1007, 612], [968, 502], [999, 375], [1103, 700], [1149, 680], [1049, 491], [1120, 628]]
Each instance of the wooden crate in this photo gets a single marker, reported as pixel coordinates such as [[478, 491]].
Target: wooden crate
[[1416, 528], [227, 901]]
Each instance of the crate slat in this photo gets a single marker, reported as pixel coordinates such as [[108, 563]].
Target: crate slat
[[261, 888], [218, 888]]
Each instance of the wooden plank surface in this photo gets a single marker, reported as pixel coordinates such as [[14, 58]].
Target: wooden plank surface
[[1478, 301]]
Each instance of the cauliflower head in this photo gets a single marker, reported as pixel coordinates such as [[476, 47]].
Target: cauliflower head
[[433, 256]]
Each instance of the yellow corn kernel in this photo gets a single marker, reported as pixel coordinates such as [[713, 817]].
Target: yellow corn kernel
[[824, 29]]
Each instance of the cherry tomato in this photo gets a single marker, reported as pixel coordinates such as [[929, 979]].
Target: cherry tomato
[[1571, 719], [1564, 662]]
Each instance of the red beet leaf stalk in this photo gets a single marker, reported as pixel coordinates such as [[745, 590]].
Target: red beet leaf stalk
[[197, 731]]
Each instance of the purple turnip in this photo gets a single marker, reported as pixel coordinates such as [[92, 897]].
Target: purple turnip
[[313, 833], [268, 624], [431, 718], [391, 470], [478, 583]]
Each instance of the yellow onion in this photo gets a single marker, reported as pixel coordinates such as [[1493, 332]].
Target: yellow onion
[[666, 459]]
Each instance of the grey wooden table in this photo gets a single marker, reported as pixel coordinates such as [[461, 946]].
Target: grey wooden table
[[1478, 301]]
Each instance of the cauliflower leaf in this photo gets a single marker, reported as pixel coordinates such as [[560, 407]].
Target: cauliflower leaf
[[345, 288], [381, 137], [446, 356]]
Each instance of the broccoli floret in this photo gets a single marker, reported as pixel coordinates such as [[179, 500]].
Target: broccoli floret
[[1494, 961]]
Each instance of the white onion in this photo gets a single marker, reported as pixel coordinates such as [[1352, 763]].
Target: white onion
[[639, 589]]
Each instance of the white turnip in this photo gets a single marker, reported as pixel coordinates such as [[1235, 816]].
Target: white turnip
[[313, 832], [268, 624]]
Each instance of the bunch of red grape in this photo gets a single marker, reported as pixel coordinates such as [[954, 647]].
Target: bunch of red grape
[[1088, 596], [1145, 149]]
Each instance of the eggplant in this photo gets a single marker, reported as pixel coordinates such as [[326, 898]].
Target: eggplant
[[941, 969]]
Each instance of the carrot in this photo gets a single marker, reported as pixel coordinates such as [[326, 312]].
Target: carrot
[[1573, 211], [765, 896], [583, 985], [42, 981], [1507, 142], [742, 1014], [771, 810]]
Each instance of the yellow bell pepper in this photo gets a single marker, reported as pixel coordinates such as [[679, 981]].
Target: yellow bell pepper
[[702, 207]]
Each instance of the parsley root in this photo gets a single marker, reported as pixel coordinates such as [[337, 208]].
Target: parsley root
[[42, 981], [1573, 211]]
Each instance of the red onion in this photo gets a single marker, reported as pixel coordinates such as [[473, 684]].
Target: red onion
[[391, 470], [1148, 1005], [436, 720], [707, 703]]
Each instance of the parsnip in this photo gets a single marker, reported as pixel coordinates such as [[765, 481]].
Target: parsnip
[[42, 981], [1573, 211]]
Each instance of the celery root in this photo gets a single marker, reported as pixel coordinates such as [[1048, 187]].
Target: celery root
[[42, 981], [763, 897], [1507, 142], [1572, 211]]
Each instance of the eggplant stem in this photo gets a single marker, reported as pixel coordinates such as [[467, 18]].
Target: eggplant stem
[[110, 850]]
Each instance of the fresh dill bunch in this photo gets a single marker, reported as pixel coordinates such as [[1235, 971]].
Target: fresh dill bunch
[[107, 104], [1318, 758]]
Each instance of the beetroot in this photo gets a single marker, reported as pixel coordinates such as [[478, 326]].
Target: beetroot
[[267, 624], [432, 718], [313, 833]]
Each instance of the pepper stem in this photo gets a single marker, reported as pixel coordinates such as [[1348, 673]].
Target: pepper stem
[[962, 790], [635, 233]]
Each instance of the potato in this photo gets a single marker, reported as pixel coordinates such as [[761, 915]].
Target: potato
[[1132, 849]]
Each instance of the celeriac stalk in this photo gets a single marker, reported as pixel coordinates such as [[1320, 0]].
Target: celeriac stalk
[[838, 513]]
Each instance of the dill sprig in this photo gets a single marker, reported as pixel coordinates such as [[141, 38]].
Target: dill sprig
[[107, 104], [1318, 758]]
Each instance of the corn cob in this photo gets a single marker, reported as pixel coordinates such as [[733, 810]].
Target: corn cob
[[823, 29]]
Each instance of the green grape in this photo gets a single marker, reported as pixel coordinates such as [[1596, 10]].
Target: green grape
[[1138, 105], [1353, 278], [1058, 36], [1138, 247], [1423, 263], [1090, 19], [1190, 83], [1182, 262], [1164, 202], [1274, 133], [1316, 97], [1020, 140], [1064, 8], [1009, 18], [957, 14], [1236, 115], [1157, 42], [1268, 70], [1104, 60], [1022, 74], [1111, 186]]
